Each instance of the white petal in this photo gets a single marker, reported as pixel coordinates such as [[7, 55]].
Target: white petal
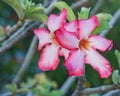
[[43, 36], [99, 63], [75, 63], [49, 58]]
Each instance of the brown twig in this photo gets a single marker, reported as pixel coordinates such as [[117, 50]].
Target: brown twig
[[80, 87]]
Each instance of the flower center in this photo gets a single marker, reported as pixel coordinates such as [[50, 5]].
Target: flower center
[[84, 44], [53, 38]]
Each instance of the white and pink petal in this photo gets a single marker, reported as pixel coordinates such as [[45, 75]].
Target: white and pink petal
[[56, 21], [43, 35], [72, 26], [49, 58], [100, 43], [67, 39], [87, 26], [64, 52], [75, 63], [98, 62]]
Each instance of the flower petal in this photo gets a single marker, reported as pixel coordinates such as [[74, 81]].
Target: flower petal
[[87, 26], [64, 52], [99, 63], [43, 36], [98, 42], [75, 63], [67, 39], [49, 58], [56, 21], [72, 26]]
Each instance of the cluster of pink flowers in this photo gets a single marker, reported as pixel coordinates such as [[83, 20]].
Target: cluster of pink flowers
[[75, 42]]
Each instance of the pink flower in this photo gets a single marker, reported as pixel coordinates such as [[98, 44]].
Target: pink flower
[[82, 46], [49, 58]]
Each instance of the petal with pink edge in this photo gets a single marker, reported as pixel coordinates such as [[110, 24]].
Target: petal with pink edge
[[56, 21], [49, 58], [87, 26], [43, 36], [75, 63], [100, 43], [67, 39], [72, 26], [99, 63], [64, 52]]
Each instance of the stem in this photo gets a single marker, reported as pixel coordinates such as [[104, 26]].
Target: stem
[[27, 60], [97, 7], [78, 4], [101, 89], [116, 16], [80, 87], [67, 84]]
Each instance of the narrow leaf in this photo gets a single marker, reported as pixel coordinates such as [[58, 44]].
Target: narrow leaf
[[103, 26], [38, 17], [84, 13], [117, 54], [104, 16], [15, 4], [116, 77], [2, 31], [60, 5]]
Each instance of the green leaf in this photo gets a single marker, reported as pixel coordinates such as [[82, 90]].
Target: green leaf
[[26, 9], [56, 93], [16, 5], [38, 17], [104, 17], [2, 31], [103, 26], [117, 54], [84, 13], [14, 88], [116, 76], [60, 5], [36, 9]]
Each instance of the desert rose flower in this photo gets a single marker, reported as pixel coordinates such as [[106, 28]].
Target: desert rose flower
[[83, 45], [49, 58]]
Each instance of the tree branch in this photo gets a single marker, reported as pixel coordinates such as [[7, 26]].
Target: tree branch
[[112, 93], [80, 87], [67, 84], [78, 4], [22, 32], [97, 7], [11, 31], [116, 16], [101, 89], [50, 7], [27, 61]]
